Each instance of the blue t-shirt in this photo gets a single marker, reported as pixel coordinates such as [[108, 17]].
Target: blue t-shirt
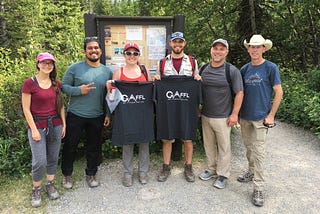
[[258, 87], [89, 105]]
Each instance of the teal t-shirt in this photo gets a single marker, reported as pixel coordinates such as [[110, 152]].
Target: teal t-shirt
[[258, 87], [89, 105]]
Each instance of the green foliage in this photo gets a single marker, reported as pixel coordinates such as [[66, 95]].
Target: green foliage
[[301, 103], [14, 150]]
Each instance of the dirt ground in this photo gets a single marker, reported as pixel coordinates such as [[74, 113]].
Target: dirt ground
[[292, 178]]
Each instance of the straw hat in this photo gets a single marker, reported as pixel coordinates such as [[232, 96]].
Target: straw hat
[[258, 40]]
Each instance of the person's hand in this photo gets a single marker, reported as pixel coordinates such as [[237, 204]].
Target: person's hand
[[157, 77], [35, 134], [232, 120], [197, 77], [269, 120], [109, 85], [63, 133], [106, 121], [86, 88]]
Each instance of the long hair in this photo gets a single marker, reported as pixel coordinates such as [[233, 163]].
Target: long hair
[[59, 100]]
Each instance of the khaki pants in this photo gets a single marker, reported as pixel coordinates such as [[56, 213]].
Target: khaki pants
[[254, 136], [217, 145]]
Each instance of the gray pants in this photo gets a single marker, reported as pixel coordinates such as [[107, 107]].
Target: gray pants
[[144, 158], [45, 153]]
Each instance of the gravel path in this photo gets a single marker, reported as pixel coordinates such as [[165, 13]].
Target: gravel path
[[292, 174]]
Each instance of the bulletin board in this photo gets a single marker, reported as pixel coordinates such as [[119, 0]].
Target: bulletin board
[[150, 38]]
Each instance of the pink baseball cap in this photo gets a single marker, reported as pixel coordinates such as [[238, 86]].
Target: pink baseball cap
[[131, 45], [44, 56]]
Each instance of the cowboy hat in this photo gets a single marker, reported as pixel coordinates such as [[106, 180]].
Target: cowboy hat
[[258, 40]]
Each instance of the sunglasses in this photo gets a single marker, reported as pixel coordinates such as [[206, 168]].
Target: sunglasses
[[269, 125], [91, 38], [134, 53]]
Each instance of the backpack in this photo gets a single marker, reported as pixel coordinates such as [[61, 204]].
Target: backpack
[[164, 59], [227, 70]]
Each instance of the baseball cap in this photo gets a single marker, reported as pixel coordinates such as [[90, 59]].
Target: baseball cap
[[177, 35], [131, 45], [44, 56], [222, 41]]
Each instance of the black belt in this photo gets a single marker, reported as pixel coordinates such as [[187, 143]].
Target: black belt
[[48, 118]]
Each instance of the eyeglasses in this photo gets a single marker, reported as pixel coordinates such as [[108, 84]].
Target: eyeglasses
[[134, 53], [177, 34], [47, 63]]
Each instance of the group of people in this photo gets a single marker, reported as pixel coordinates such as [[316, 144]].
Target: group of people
[[250, 96]]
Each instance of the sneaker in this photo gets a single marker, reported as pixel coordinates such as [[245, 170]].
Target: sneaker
[[67, 182], [164, 174], [143, 179], [91, 181], [245, 177], [257, 198], [51, 190], [206, 175], [127, 180], [188, 173], [36, 196], [221, 182]]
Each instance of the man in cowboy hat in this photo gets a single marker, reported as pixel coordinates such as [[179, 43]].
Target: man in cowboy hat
[[261, 78]]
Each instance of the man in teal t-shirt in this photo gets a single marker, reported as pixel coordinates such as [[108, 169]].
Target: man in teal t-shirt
[[85, 83], [261, 78]]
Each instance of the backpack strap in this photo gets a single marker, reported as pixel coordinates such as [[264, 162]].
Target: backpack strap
[[203, 67], [35, 80], [162, 62], [228, 73], [229, 79], [193, 63], [144, 71]]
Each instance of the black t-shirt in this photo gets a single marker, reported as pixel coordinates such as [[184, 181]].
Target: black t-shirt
[[177, 107], [134, 115]]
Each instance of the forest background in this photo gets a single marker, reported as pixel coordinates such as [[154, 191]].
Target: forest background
[[28, 27]]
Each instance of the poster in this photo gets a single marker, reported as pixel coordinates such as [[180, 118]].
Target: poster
[[151, 40]]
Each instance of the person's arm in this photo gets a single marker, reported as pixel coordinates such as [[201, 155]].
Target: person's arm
[[63, 117], [26, 105], [68, 84], [233, 118], [275, 104]]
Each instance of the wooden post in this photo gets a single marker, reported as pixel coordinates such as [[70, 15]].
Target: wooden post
[[178, 25]]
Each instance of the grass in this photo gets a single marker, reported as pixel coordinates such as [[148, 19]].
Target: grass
[[15, 192]]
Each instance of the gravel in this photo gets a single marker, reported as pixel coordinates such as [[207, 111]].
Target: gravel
[[292, 183]]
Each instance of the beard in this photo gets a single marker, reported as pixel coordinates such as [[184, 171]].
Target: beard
[[179, 51], [93, 59]]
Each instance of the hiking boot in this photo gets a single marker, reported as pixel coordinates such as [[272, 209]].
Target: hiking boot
[[127, 180], [164, 174], [67, 182], [257, 198], [143, 179], [245, 177], [36, 196], [206, 175], [51, 190], [91, 181], [220, 183], [188, 173]]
